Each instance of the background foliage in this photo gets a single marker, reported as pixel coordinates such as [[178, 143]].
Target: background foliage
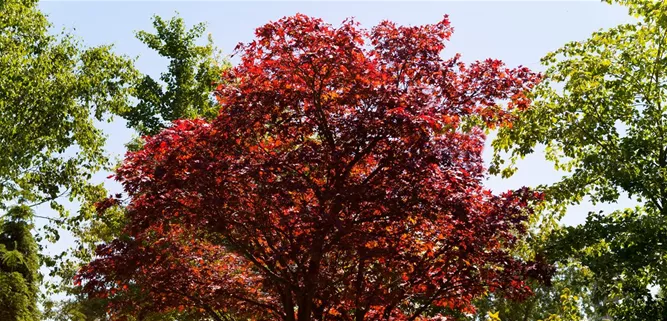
[[600, 111]]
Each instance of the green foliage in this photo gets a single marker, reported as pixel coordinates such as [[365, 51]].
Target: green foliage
[[600, 112], [184, 91], [624, 250], [19, 265], [51, 92]]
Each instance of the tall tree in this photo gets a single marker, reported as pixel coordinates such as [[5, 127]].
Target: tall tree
[[52, 90], [185, 90], [341, 180], [601, 114], [19, 264]]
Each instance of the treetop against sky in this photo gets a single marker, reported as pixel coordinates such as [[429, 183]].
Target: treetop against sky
[[335, 160], [517, 32]]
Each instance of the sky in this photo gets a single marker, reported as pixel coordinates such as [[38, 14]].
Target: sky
[[517, 32]]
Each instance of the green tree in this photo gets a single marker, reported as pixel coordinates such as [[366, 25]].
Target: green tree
[[185, 89], [51, 93], [53, 90], [19, 264], [601, 113]]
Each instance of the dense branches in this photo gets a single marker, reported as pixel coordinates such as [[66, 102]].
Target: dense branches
[[341, 180]]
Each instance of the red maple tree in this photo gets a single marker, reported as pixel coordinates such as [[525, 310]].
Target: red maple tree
[[342, 180]]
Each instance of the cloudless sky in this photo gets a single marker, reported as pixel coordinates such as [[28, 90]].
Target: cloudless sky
[[518, 32]]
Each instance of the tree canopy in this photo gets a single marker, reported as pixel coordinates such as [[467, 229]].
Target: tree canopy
[[332, 173], [52, 92], [600, 111], [341, 180]]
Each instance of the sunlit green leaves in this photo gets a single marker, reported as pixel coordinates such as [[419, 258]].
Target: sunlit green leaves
[[52, 92], [185, 90], [601, 113]]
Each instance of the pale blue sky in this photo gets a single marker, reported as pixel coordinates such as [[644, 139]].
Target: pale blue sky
[[517, 32]]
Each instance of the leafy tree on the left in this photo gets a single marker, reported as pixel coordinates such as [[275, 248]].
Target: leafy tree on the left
[[52, 92]]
